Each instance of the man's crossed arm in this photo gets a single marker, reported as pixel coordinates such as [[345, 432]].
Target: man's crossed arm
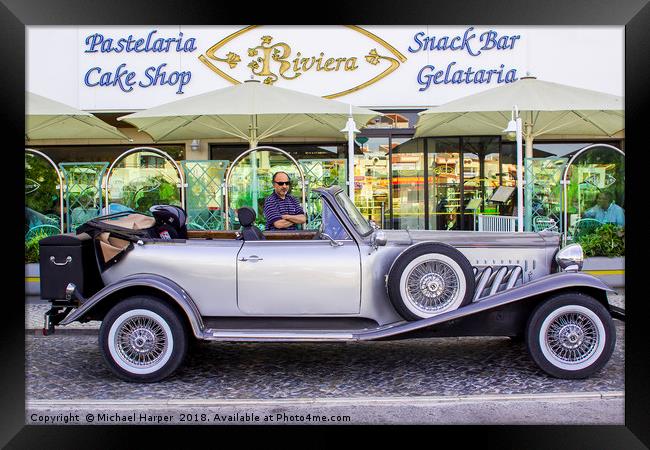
[[288, 220]]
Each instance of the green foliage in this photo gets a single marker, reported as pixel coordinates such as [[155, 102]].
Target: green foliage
[[607, 240], [41, 180], [32, 248], [245, 198], [156, 190]]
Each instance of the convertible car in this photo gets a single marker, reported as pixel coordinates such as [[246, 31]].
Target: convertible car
[[155, 286]]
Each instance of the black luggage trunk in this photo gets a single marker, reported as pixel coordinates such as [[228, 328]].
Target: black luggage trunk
[[65, 259]]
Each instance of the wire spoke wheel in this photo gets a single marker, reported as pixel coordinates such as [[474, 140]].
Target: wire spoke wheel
[[430, 279], [570, 335], [141, 341], [432, 285]]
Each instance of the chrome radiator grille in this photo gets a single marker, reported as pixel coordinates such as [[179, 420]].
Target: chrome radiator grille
[[497, 278]]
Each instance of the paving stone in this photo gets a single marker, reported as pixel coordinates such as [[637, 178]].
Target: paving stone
[[71, 367]]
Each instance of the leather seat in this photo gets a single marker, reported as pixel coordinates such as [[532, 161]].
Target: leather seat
[[249, 232]]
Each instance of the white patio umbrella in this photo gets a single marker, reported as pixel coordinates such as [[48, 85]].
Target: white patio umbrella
[[251, 111], [545, 108], [49, 119]]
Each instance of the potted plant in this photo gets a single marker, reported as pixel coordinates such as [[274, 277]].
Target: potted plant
[[605, 254], [32, 272]]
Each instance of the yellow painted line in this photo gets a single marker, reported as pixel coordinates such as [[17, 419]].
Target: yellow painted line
[[32, 279], [605, 272]]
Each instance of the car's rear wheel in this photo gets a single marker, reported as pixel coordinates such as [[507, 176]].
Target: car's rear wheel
[[571, 335], [430, 279], [142, 339]]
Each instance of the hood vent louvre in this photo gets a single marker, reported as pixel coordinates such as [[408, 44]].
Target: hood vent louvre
[[493, 279]]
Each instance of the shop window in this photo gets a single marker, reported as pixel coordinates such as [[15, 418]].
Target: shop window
[[297, 151], [508, 164], [371, 194], [391, 120], [108, 153], [407, 163], [444, 180], [152, 161], [394, 119], [596, 199], [481, 177]]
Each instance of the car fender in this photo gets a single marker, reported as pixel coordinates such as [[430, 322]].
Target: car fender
[[151, 281], [548, 284]]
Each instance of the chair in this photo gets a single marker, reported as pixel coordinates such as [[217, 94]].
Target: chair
[[544, 223], [249, 232]]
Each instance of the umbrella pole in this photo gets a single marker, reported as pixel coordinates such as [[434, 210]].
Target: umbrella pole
[[528, 132], [350, 128], [351, 164], [254, 183]]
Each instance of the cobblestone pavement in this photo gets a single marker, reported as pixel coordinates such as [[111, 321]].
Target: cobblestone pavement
[[71, 367]]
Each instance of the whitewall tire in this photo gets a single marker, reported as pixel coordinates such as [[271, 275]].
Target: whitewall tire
[[571, 335], [143, 339]]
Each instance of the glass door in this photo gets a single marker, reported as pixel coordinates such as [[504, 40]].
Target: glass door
[[480, 178], [407, 184], [444, 177], [371, 194]]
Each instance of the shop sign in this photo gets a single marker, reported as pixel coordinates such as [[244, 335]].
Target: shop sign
[[272, 59], [471, 44], [126, 79]]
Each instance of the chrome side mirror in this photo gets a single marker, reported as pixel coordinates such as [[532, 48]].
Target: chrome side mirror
[[373, 224], [379, 239]]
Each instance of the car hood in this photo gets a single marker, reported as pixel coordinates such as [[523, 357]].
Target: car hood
[[473, 238]]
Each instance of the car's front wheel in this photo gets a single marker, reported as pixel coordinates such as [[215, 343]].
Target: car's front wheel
[[571, 335], [143, 340]]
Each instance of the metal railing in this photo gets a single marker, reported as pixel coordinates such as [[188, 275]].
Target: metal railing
[[497, 223]]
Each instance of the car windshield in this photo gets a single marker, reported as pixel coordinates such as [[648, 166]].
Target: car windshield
[[362, 226]]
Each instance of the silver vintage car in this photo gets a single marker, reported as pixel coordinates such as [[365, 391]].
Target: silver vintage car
[[347, 281]]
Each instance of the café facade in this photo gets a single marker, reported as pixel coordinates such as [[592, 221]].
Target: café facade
[[399, 181]]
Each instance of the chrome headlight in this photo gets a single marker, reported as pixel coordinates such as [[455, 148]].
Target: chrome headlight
[[570, 258]]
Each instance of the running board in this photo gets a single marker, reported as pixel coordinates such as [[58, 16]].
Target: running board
[[212, 334]]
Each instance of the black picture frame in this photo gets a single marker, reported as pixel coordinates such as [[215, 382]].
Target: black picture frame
[[633, 14]]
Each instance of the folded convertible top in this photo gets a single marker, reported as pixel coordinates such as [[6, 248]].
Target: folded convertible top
[[115, 234], [129, 225]]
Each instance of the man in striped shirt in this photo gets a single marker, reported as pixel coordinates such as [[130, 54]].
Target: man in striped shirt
[[282, 210]]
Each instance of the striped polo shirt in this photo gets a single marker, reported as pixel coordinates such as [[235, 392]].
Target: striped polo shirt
[[275, 207]]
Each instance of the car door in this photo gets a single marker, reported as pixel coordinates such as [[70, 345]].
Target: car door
[[300, 277]]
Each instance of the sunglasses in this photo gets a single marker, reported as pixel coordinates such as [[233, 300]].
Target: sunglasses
[[283, 183]]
